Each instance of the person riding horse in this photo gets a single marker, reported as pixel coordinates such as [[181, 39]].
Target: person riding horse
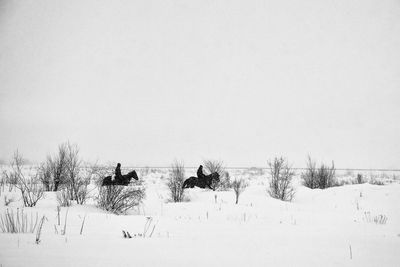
[[200, 173], [118, 179], [201, 180]]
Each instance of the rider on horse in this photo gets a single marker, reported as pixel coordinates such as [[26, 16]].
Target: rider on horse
[[200, 173], [117, 176]]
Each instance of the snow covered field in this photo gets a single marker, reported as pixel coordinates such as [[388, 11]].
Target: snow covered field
[[331, 227]]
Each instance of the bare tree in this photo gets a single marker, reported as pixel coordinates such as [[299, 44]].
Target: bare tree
[[175, 181], [280, 185], [30, 188], [11, 179], [238, 185]]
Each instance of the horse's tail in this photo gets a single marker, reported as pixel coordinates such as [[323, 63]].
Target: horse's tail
[[107, 181]]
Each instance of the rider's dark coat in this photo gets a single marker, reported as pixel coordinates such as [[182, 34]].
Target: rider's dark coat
[[118, 174], [200, 173]]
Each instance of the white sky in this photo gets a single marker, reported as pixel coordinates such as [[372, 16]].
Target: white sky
[[147, 82]]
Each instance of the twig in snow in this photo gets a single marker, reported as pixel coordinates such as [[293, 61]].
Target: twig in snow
[[83, 223], [65, 224], [39, 230], [351, 253]]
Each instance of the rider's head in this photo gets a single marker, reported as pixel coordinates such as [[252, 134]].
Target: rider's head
[[119, 165]]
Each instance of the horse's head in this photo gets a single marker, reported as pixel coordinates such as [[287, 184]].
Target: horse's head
[[133, 175]]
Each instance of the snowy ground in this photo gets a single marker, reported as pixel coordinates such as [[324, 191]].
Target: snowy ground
[[329, 227]]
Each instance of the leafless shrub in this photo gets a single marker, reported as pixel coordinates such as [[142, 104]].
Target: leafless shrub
[[326, 176], [375, 181], [225, 183], [31, 191], [18, 222], [72, 167], [45, 175], [60, 162], [217, 166], [238, 185], [377, 219], [30, 188], [54, 170], [81, 190], [77, 178], [310, 178], [175, 181], [65, 170], [280, 185], [359, 178], [322, 177], [380, 219], [9, 178], [118, 199]]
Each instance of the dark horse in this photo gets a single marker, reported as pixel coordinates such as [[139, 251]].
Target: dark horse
[[125, 180], [201, 182]]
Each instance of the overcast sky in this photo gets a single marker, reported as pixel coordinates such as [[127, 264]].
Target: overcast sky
[[147, 82]]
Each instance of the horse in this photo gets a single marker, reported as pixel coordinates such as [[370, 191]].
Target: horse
[[201, 182], [126, 178]]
